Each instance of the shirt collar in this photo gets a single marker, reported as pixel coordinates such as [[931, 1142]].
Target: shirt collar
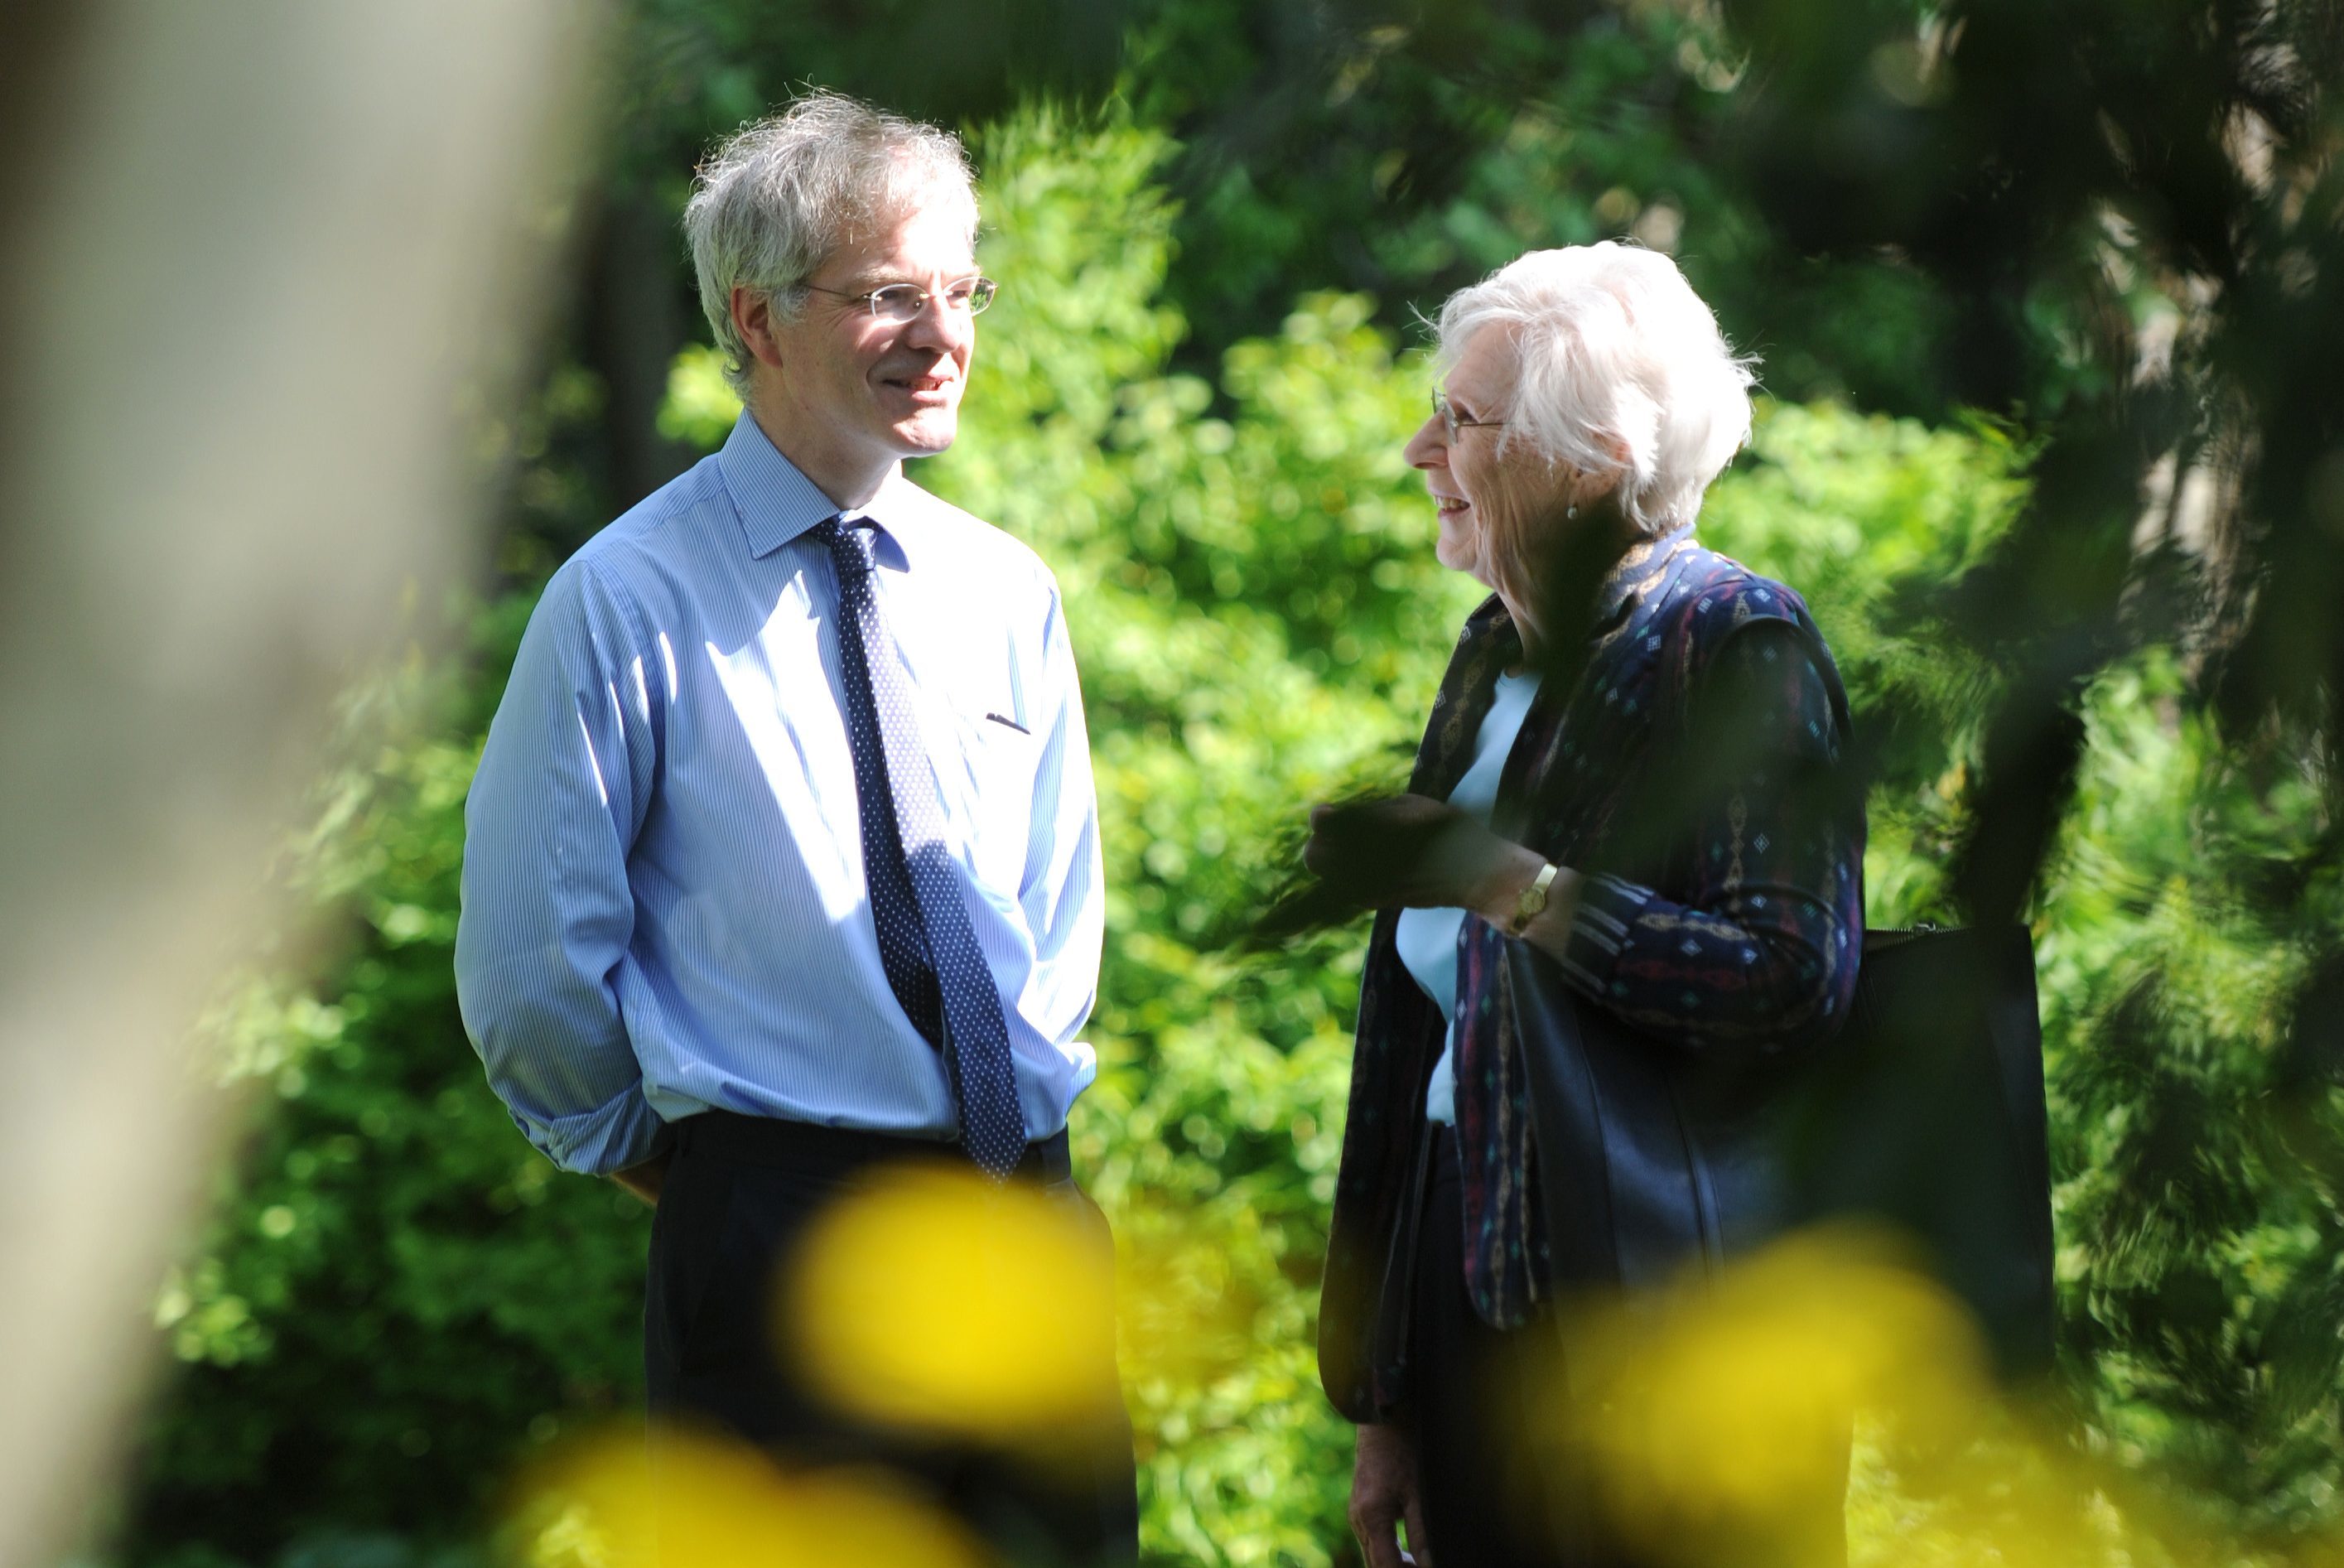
[[777, 502]]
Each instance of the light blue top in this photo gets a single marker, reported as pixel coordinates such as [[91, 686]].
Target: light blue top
[[1427, 938], [664, 907]]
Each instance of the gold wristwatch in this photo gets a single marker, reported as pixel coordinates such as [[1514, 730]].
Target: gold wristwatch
[[1533, 903]]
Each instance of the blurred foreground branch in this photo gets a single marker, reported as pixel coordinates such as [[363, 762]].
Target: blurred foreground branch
[[252, 262]]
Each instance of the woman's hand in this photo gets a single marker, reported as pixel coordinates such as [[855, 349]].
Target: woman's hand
[[1411, 850], [1384, 1493]]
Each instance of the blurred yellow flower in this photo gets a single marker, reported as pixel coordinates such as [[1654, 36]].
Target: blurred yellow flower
[[1715, 1419], [683, 1501], [934, 1300], [1712, 1426]]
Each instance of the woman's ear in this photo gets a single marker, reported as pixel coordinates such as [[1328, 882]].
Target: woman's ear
[[1595, 491]]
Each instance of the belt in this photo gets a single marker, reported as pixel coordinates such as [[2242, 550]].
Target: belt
[[771, 1140]]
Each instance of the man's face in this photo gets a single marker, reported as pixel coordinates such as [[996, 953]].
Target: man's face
[[871, 390]]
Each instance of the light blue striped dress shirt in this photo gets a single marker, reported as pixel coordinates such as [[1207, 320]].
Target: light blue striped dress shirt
[[664, 907]]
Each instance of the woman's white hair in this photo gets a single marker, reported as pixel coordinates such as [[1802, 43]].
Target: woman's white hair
[[779, 196], [1619, 366]]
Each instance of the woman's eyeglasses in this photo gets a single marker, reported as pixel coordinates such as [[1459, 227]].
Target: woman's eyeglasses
[[1452, 421]]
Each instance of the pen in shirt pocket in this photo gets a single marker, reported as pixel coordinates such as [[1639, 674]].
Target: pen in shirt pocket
[[1015, 717]]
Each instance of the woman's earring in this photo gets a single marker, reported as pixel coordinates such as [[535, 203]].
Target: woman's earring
[[1569, 511]]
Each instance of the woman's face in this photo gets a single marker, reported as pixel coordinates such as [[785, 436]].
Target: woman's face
[[1466, 473]]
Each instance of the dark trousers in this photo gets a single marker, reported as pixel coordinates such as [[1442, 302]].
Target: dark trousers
[[1475, 1395], [735, 1200], [1482, 1415]]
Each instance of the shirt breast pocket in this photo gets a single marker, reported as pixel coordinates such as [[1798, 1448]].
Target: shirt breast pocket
[[1001, 752], [999, 760]]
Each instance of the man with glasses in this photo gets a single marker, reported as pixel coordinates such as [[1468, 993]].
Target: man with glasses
[[782, 860]]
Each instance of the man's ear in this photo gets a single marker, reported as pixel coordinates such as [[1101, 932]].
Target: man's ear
[[753, 318]]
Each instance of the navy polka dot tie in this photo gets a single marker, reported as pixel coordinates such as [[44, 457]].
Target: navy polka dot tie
[[926, 944]]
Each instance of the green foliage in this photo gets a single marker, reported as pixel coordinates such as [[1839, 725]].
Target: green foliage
[[2201, 1249], [398, 1296], [1404, 155]]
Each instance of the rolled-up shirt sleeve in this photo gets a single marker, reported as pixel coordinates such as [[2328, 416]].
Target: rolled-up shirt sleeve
[[1764, 942], [548, 916]]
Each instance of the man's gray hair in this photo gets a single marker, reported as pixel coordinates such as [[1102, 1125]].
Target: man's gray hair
[[779, 196], [1618, 365]]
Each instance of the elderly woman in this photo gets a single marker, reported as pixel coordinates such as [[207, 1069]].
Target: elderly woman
[[1708, 901]]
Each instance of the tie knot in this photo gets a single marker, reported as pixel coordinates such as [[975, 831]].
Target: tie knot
[[850, 540]]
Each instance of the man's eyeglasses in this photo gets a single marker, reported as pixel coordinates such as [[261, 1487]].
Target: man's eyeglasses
[[902, 302], [1452, 421]]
